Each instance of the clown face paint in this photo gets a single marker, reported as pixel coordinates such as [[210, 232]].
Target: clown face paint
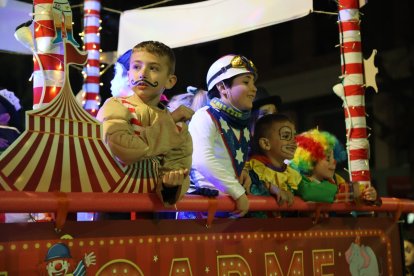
[[282, 141]]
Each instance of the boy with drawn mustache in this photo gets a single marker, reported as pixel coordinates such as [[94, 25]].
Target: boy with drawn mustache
[[153, 145]]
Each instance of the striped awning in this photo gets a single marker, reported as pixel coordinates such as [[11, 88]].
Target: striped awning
[[61, 148]]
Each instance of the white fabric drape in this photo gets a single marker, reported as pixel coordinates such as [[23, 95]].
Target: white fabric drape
[[12, 14], [189, 24]]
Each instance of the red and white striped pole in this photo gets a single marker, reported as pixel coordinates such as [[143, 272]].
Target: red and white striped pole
[[48, 72], [352, 91], [92, 22]]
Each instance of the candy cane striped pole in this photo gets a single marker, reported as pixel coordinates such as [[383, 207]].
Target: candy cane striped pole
[[352, 91], [48, 72], [91, 99]]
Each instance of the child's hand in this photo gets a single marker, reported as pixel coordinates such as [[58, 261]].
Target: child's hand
[[242, 205], [282, 197], [245, 180], [276, 192], [182, 114], [369, 193], [285, 197], [290, 198], [174, 178]]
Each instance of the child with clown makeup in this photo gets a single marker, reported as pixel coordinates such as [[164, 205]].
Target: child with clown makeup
[[272, 145], [316, 157]]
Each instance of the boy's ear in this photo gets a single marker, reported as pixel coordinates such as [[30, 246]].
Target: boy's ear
[[172, 80], [221, 87], [264, 143]]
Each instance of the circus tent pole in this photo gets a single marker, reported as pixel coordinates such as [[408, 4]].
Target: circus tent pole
[[352, 91], [48, 72], [92, 21]]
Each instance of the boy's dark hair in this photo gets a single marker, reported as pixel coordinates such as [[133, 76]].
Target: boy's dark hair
[[263, 128], [215, 93], [159, 49]]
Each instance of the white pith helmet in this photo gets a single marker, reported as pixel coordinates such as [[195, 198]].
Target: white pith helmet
[[229, 66]]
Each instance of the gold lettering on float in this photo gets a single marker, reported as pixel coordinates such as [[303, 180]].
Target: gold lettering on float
[[273, 266], [228, 264], [181, 266], [322, 258]]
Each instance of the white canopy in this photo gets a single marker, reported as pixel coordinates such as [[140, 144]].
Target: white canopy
[[12, 14], [176, 26], [183, 25]]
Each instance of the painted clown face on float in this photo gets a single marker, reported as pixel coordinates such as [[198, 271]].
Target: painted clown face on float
[[58, 267], [57, 260]]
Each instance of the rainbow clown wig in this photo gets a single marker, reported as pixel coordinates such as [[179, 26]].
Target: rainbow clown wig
[[313, 146]]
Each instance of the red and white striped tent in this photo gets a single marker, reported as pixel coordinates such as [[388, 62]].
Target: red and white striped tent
[[61, 148]]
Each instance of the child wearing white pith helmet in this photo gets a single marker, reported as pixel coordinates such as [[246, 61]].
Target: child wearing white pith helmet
[[220, 131]]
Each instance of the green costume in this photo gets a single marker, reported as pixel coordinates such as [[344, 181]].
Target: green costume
[[323, 191]]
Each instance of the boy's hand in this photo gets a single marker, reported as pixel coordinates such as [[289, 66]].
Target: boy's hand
[[282, 197], [245, 180], [289, 197], [242, 205], [369, 193], [174, 178], [182, 114]]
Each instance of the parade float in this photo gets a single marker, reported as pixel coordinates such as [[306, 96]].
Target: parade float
[[60, 165]]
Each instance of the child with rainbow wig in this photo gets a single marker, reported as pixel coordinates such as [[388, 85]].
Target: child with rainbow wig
[[315, 158]]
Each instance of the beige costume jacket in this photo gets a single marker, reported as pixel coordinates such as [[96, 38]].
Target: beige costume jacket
[[150, 133]]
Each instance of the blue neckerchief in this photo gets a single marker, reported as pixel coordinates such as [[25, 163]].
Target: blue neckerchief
[[236, 148], [237, 119]]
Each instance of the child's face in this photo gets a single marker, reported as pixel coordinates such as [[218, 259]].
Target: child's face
[[242, 92], [408, 253], [149, 75], [325, 168], [282, 141]]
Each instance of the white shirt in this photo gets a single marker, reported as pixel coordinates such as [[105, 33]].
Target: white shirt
[[212, 166]]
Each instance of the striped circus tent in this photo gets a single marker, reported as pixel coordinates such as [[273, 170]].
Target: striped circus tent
[[139, 177], [61, 148]]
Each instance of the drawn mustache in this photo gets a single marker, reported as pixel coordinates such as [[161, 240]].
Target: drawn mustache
[[134, 83]]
